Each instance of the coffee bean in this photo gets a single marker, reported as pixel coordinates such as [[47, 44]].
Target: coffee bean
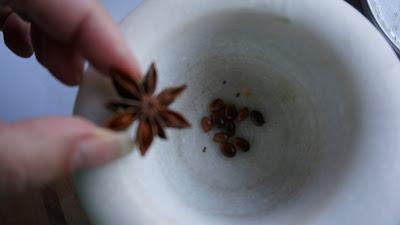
[[206, 124], [242, 144], [230, 129], [216, 105], [228, 149], [243, 114], [220, 137], [257, 118], [231, 112]]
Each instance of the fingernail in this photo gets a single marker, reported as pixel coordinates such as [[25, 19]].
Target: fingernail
[[102, 147]]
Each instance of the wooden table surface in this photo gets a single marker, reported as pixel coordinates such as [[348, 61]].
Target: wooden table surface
[[53, 205], [56, 204]]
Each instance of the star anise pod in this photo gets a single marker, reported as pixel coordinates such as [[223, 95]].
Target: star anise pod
[[137, 101]]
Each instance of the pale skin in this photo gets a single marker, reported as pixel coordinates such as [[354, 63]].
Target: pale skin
[[61, 34]]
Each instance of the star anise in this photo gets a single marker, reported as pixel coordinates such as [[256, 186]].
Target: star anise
[[137, 101]]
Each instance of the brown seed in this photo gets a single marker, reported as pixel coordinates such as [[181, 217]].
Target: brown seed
[[243, 114], [216, 105], [238, 95], [224, 82], [204, 149], [228, 149], [257, 118], [220, 137], [242, 144], [206, 124], [231, 112], [218, 119], [230, 129]]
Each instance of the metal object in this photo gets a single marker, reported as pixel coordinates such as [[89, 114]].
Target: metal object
[[385, 14]]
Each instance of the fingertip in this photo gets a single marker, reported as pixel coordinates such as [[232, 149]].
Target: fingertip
[[99, 149], [128, 65], [102, 43], [115, 55], [38, 151]]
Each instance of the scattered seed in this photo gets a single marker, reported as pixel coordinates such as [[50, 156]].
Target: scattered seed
[[228, 149], [206, 124], [242, 144], [230, 129], [224, 117], [220, 137], [204, 149], [231, 112], [257, 118], [224, 82], [243, 114], [216, 105]]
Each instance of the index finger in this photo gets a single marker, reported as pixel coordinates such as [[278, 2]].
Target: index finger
[[85, 24]]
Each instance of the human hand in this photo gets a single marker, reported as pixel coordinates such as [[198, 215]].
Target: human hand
[[62, 34]]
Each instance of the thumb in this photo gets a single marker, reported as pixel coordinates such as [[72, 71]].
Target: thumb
[[35, 152]]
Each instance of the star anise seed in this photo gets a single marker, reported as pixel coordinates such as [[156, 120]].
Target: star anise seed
[[137, 100]]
